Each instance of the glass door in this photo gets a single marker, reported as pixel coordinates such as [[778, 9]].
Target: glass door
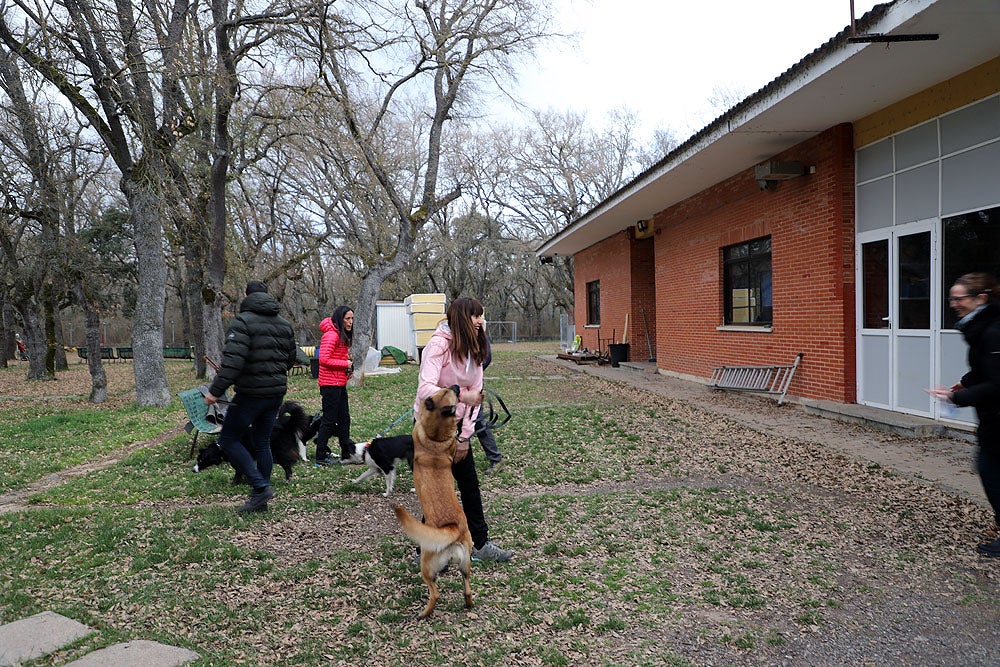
[[896, 278]]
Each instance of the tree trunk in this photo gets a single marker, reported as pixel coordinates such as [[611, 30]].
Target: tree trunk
[[34, 340], [146, 205], [92, 329], [48, 313], [7, 339], [364, 309]]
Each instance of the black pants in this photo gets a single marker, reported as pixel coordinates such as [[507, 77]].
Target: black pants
[[988, 467], [336, 422], [257, 414], [472, 500]]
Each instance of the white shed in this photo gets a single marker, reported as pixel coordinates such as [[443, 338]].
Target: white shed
[[392, 327]]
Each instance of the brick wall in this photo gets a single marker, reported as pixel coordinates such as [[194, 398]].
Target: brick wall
[[625, 267], [811, 224], [677, 278]]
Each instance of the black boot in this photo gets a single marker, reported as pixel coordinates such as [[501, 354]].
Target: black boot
[[990, 549]]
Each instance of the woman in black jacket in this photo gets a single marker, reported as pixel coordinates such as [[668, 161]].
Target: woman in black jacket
[[974, 298]]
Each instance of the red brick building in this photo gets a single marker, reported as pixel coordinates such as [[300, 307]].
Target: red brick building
[[824, 214]]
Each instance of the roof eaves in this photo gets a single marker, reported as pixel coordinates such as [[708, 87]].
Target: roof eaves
[[720, 125]]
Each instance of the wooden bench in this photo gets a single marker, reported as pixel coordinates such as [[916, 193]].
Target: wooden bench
[[764, 379], [302, 357], [578, 357]]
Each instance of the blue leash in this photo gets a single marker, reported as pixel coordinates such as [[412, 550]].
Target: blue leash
[[393, 424]]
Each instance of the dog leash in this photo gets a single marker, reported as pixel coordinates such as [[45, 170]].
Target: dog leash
[[393, 424], [493, 419]]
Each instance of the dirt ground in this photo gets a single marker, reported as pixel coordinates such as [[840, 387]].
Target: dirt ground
[[913, 620], [945, 462]]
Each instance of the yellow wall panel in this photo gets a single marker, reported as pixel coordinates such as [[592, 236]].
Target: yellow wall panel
[[977, 83]]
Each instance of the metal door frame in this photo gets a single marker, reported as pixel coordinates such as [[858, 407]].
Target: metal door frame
[[892, 235]]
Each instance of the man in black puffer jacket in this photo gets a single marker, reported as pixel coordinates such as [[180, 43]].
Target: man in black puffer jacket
[[259, 350]]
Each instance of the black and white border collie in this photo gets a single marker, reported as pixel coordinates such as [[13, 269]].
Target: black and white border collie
[[292, 430], [383, 455]]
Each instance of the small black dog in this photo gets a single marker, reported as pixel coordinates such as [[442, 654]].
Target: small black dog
[[292, 430], [382, 456]]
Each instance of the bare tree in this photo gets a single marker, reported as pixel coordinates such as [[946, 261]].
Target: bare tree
[[103, 61], [373, 62], [539, 179], [29, 240]]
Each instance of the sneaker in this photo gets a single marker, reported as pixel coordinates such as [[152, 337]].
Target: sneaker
[[257, 502], [990, 549], [491, 552], [494, 467], [326, 461]]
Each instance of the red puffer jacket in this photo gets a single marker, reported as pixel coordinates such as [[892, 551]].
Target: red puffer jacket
[[333, 356]]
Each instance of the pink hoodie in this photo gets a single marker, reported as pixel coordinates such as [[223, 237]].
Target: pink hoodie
[[439, 369]]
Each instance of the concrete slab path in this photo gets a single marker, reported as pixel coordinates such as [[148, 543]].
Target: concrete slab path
[[43, 633]]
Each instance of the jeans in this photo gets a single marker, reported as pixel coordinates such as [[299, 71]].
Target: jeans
[[485, 434], [336, 421], [988, 467], [257, 414]]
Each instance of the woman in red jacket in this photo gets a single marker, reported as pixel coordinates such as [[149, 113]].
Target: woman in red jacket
[[335, 369]]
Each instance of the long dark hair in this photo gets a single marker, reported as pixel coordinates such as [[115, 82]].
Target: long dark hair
[[466, 342], [338, 321]]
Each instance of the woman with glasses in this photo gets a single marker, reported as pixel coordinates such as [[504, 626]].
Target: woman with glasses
[[974, 298]]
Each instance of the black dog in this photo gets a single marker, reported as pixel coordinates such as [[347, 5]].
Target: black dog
[[382, 456], [292, 430]]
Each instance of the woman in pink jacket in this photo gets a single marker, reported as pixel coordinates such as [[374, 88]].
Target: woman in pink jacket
[[335, 369], [454, 356]]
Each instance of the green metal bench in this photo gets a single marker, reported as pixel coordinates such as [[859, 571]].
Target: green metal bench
[[197, 412], [177, 352], [107, 353], [124, 353]]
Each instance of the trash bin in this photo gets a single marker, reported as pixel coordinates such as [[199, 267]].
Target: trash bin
[[618, 353]]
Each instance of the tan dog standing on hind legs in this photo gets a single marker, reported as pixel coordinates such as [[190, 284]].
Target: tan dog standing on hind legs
[[444, 536]]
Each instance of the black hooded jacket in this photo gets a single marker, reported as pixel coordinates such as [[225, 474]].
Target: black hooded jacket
[[981, 385], [259, 350]]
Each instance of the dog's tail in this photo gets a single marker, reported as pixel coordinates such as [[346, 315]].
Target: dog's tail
[[428, 537]]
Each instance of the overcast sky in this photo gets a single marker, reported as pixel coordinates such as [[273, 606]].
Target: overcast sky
[[662, 58]]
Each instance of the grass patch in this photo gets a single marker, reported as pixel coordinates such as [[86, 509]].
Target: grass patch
[[643, 536]]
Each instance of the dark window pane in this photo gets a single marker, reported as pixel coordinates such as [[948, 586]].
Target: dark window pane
[[914, 281], [747, 291], [875, 288], [760, 246], [594, 302], [971, 243]]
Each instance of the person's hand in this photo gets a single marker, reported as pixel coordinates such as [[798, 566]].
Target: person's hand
[[957, 386], [941, 394], [350, 369], [210, 400], [461, 451], [470, 398]]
